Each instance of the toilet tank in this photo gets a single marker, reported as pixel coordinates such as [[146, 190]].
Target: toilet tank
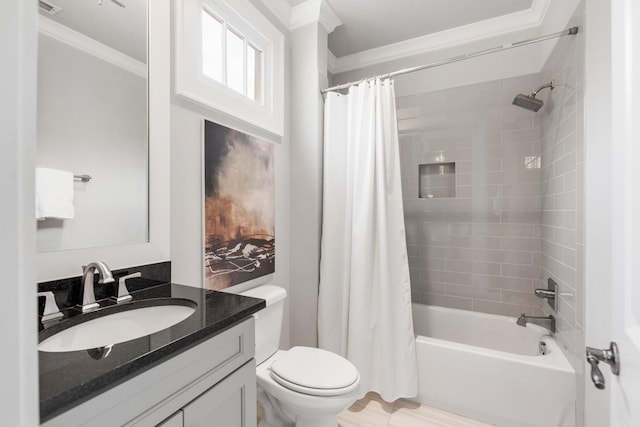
[[268, 320]]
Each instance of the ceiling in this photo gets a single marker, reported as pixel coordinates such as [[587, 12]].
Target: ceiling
[[123, 29], [368, 24]]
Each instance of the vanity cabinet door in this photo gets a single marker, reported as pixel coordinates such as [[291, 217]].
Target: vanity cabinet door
[[176, 420], [230, 403]]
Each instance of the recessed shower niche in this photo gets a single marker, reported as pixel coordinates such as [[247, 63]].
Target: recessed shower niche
[[437, 180]]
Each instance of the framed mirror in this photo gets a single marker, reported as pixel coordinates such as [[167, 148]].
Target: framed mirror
[[104, 111]]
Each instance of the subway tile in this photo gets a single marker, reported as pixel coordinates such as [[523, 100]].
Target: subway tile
[[553, 250], [513, 119], [552, 218], [520, 244], [567, 126], [448, 301], [488, 119], [546, 232], [413, 251], [520, 190], [537, 258], [446, 277], [570, 142], [485, 268], [501, 282], [445, 252], [516, 270], [428, 287], [570, 257], [527, 135], [480, 242], [472, 292], [565, 274], [523, 217], [566, 200], [570, 219], [426, 263], [460, 266], [483, 138], [521, 298], [565, 237], [518, 203], [565, 164], [464, 166], [503, 230], [464, 191], [499, 256], [414, 273], [501, 308]]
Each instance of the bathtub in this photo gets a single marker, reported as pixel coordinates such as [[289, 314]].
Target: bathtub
[[486, 367]]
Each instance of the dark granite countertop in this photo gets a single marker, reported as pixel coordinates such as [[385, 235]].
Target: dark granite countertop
[[70, 378]]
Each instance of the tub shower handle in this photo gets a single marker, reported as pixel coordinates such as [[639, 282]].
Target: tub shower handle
[[544, 293], [610, 356]]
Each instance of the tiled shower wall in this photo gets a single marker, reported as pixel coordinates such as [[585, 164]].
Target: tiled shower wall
[[479, 249], [562, 229]]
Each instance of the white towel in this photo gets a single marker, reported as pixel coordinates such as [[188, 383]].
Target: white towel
[[54, 194]]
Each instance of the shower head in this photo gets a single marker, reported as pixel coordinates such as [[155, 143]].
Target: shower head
[[530, 102]]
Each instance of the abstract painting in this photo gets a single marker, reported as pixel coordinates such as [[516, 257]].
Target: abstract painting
[[239, 214]]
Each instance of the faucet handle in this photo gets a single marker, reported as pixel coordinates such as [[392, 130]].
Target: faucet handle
[[51, 310], [123, 293]]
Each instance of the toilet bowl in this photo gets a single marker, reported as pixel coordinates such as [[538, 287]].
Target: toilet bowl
[[303, 386]]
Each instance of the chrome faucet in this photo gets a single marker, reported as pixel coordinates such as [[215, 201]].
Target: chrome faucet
[[548, 322], [88, 295]]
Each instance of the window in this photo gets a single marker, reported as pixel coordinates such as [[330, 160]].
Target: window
[[231, 58]]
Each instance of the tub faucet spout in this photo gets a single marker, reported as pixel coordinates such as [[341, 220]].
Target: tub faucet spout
[[548, 322]]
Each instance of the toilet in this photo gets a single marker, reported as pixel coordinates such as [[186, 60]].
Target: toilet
[[303, 386]]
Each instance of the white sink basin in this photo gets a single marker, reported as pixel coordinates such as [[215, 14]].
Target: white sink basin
[[116, 328]]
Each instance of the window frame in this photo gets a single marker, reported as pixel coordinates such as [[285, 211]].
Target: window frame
[[191, 83]]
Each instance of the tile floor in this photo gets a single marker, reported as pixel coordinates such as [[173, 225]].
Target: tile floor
[[372, 411]]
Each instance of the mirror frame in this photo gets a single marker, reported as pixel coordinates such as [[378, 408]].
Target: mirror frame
[[68, 263]]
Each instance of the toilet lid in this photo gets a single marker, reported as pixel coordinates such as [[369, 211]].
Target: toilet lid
[[315, 371]]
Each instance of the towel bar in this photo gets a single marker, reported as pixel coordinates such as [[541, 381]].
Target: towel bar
[[83, 178]]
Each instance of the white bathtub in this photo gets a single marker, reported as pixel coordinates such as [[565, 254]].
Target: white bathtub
[[488, 368]]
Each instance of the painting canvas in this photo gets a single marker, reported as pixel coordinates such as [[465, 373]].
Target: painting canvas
[[239, 214]]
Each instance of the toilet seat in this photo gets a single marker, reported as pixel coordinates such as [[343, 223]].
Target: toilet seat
[[315, 372]]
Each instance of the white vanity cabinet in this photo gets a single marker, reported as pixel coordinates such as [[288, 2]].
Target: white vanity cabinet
[[211, 384]]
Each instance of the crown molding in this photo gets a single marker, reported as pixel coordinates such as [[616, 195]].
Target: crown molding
[[281, 9], [88, 45], [328, 17], [331, 62], [303, 14], [500, 25]]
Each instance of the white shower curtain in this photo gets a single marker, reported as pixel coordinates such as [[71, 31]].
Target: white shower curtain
[[364, 307]]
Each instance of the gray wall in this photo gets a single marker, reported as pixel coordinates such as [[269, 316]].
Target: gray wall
[[478, 250], [83, 128], [562, 229]]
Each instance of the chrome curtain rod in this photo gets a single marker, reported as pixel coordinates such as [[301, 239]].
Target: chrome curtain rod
[[571, 31]]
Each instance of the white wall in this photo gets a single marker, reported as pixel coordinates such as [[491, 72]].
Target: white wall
[[186, 189], [83, 128], [18, 330]]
